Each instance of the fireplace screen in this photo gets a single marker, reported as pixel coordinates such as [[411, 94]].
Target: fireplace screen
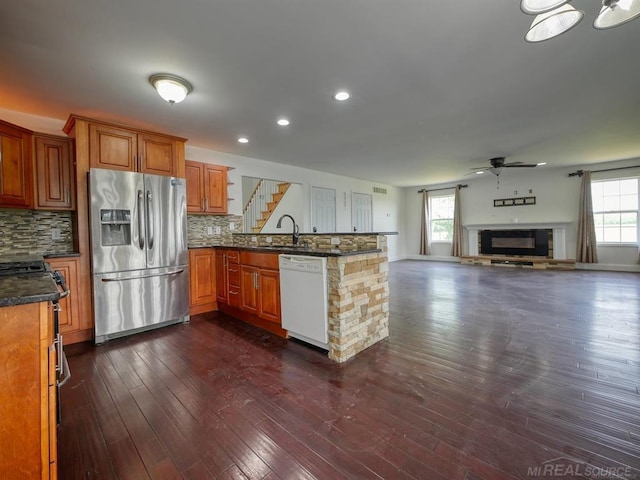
[[502, 242], [528, 242]]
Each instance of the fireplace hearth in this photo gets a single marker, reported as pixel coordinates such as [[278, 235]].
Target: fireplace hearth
[[517, 242]]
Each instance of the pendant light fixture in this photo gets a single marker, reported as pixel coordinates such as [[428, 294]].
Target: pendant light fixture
[[171, 88], [551, 24], [616, 12], [554, 17]]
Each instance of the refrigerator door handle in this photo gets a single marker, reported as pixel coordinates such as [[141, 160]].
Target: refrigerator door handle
[[150, 226], [176, 272], [140, 221]]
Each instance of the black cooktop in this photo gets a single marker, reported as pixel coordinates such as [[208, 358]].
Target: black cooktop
[[22, 264]]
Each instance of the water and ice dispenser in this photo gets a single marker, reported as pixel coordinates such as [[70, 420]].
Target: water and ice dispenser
[[116, 227]]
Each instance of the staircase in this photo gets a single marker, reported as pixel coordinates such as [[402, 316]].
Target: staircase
[[263, 202]]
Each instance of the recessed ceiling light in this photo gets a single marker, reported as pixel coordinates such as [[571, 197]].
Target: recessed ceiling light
[[541, 164], [243, 140], [283, 122], [342, 95], [479, 173]]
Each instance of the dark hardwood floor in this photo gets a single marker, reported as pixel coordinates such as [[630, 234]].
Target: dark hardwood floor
[[489, 373]]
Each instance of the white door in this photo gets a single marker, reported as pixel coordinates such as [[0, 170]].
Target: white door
[[361, 212], [324, 209]]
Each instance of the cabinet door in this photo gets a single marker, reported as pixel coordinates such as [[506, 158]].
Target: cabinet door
[[269, 294], [157, 154], [55, 185], [16, 176], [221, 276], [112, 147], [215, 187], [69, 306], [194, 172], [249, 288], [202, 276]]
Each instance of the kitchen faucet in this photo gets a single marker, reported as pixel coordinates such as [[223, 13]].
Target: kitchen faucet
[[296, 235]]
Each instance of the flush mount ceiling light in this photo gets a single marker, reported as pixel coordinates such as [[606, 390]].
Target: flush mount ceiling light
[[243, 140], [342, 95], [171, 88], [283, 122], [555, 17]]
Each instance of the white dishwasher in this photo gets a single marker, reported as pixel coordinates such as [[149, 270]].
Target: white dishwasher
[[303, 298]]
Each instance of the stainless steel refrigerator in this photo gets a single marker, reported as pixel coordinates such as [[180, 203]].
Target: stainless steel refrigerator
[[139, 252]]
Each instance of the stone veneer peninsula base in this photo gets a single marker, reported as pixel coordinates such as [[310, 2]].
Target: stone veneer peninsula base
[[358, 303]]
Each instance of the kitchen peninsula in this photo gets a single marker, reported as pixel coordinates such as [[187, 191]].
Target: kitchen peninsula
[[358, 288]]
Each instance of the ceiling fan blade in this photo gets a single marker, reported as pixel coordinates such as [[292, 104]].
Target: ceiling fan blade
[[524, 165], [480, 168], [513, 163]]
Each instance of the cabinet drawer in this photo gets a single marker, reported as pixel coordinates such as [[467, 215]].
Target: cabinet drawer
[[234, 275], [234, 296], [233, 256], [261, 260]]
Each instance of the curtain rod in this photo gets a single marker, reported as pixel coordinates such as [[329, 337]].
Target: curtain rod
[[443, 188], [580, 172]]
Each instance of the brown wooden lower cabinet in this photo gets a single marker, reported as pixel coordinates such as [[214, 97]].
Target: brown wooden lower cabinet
[[69, 315], [28, 439], [202, 281], [252, 288]]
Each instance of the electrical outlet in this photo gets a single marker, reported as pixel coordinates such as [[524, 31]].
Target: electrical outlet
[[55, 234], [232, 226], [269, 239], [254, 239], [335, 241], [209, 230], [217, 230]]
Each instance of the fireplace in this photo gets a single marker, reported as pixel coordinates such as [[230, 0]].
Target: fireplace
[[520, 242]]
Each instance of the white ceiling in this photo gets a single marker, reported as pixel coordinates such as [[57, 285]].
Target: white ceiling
[[437, 87]]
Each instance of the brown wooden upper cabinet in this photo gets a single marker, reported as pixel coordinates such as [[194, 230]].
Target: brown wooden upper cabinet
[[55, 173], [206, 188], [121, 148], [16, 176]]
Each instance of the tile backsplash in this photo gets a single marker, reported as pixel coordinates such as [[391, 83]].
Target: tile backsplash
[[199, 226], [29, 231]]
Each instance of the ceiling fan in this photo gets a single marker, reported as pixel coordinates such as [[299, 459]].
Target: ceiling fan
[[498, 164]]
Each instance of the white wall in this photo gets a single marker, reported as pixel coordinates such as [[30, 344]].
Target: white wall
[[387, 209], [557, 200]]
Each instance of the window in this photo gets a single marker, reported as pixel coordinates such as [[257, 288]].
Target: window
[[615, 210], [441, 218]]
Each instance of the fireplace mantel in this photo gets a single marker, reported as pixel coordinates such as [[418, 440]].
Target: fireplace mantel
[[559, 234]]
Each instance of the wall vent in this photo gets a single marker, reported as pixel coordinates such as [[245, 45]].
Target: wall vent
[[381, 190]]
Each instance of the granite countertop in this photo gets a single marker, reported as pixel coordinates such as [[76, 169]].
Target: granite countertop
[[311, 252], [29, 288]]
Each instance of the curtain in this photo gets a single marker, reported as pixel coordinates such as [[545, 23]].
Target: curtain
[[424, 224], [586, 251], [456, 246]]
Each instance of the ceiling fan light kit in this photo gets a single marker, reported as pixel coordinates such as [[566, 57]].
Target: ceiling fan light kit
[[554, 17]]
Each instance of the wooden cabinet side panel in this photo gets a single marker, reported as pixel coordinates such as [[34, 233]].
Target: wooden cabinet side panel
[[21, 393], [194, 172], [221, 276], [111, 147]]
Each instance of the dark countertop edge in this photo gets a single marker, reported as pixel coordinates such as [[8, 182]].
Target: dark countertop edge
[[47, 292], [61, 255], [295, 251], [338, 234]]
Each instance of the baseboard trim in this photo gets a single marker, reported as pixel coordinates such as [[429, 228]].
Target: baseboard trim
[[610, 267], [434, 258]]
